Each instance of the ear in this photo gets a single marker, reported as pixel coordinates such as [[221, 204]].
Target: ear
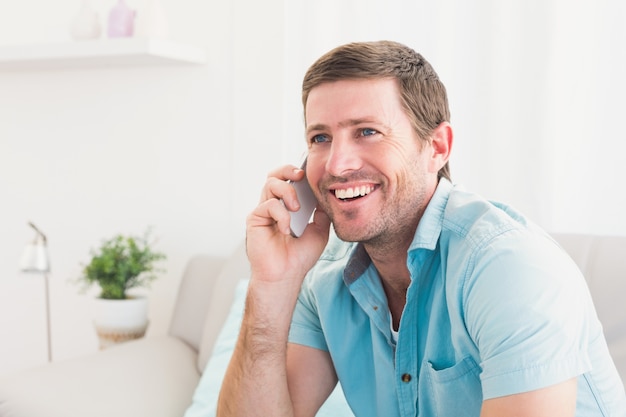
[[440, 146]]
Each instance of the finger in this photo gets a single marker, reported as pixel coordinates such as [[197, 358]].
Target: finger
[[320, 224], [287, 172], [277, 187], [271, 213], [321, 220]]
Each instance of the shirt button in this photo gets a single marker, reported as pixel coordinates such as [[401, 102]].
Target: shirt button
[[406, 377]]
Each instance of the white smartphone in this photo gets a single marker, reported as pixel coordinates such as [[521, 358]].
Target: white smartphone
[[301, 218]]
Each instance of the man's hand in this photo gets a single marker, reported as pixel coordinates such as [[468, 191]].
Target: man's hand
[[276, 256]]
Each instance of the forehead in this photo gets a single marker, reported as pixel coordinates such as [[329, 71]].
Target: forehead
[[360, 98]]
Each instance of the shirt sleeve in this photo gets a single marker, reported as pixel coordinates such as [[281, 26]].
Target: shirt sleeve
[[529, 312], [306, 328]]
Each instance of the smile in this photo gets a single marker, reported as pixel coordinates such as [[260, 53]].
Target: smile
[[353, 192]]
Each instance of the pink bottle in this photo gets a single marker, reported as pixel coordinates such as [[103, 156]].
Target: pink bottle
[[121, 21]]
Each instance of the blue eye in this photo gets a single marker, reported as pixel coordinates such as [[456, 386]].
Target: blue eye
[[368, 132], [319, 139]]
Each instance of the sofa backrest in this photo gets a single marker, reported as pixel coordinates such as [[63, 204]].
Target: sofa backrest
[[204, 299], [602, 260]]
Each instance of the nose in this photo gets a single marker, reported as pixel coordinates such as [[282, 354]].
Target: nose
[[343, 157]]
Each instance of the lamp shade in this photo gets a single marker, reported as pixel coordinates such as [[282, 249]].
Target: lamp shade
[[35, 258]]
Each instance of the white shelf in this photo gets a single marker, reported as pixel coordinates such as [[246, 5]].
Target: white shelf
[[100, 53]]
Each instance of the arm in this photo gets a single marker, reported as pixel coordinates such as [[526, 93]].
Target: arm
[[311, 378], [529, 312], [555, 401], [265, 377]]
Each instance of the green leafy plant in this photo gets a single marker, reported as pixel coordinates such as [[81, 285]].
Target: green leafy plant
[[120, 263]]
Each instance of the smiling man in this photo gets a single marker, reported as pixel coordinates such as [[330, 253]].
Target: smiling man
[[423, 299]]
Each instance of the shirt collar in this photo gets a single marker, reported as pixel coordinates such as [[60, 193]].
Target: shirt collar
[[431, 223]]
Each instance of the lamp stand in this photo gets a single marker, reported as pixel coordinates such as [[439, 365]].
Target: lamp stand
[[35, 259], [45, 276]]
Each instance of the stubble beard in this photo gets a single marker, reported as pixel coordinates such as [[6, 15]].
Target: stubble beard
[[395, 222]]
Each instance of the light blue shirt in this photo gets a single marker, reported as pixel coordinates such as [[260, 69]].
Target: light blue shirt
[[495, 307]]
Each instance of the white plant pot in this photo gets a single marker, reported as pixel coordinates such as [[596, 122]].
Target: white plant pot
[[118, 321]]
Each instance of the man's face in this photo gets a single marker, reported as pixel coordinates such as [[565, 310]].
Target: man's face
[[368, 169]]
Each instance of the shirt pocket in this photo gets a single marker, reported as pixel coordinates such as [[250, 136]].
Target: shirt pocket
[[452, 391]]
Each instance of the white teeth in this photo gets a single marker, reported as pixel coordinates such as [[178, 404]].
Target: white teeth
[[353, 192]]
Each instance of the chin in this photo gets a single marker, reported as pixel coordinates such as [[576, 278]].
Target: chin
[[351, 233], [352, 226]]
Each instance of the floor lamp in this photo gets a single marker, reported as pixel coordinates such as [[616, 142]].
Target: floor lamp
[[35, 259]]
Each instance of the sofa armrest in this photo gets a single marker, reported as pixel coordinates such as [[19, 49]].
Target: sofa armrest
[[154, 377]]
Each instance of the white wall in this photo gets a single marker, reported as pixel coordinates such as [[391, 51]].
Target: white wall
[[536, 92], [86, 154]]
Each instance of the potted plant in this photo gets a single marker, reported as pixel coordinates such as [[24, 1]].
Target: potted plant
[[117, 265]]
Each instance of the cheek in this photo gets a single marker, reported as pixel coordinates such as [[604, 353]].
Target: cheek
[[314, 172], [411, 168], [401, 156]]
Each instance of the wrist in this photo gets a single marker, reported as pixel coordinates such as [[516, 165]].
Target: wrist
[[270, 306]]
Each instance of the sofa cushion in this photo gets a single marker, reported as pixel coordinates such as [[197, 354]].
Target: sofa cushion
[[115, 382], [191, 301], [237, 268]]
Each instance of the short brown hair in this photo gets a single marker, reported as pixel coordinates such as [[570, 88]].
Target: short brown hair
[[422, 94]]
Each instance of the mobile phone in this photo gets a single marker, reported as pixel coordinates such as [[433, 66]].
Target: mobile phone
[[301, 218]]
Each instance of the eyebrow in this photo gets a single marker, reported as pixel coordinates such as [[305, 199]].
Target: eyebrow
[[346, 123]]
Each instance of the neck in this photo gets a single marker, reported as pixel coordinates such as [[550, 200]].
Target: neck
[[392, 270], [394, 275]]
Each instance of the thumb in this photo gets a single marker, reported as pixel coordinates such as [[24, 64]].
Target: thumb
[[321, 221]]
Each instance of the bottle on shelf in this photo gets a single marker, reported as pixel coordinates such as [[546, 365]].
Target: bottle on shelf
[[86, 23], [121, 21]]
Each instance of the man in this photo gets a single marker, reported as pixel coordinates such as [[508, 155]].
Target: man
[[429, 300]]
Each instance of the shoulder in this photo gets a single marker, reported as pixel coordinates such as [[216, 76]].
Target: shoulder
[[326, 276], [478, 220], [480, 227], [490, 245]]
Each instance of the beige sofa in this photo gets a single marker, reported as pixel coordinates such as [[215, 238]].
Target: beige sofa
[[153, 376], [157, 376]]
